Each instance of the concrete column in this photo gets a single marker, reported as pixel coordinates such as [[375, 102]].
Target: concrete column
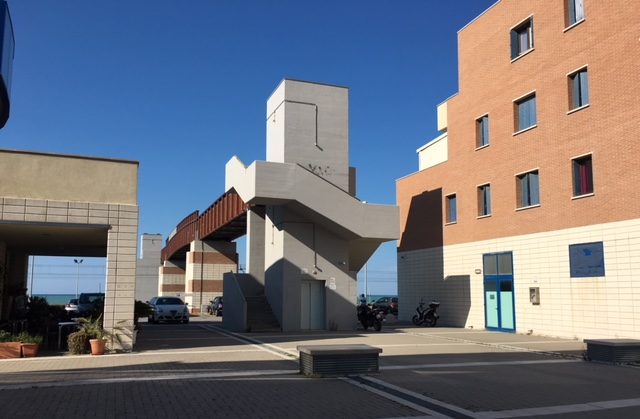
[[3, 277], [255, 243], [147, 266], [122, 246], [207, 261], [15, 279], [171, 279]]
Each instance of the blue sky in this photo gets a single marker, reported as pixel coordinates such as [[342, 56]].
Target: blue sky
[[181, 86]]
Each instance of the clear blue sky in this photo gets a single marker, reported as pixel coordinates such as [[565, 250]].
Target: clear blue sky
[[181, 86]]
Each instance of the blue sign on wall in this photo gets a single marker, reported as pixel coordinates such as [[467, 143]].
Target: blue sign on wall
[[586, 260]]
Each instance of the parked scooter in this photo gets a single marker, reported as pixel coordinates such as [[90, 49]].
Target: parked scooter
[[370, 317], [426, 316]]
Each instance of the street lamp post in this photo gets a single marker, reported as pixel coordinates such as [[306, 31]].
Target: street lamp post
[[77, 262]]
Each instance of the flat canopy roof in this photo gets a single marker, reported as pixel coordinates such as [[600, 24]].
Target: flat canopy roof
[[53, 239]]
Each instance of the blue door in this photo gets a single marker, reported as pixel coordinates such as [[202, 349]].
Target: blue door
[[499, 309]]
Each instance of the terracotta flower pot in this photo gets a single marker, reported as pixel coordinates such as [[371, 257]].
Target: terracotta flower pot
[[97, 346], [10, 350], [29, 350]]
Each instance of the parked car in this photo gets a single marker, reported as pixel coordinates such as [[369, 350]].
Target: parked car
[[216, 306], [387, 304], [72, 306], [167, 309], [90, 303]]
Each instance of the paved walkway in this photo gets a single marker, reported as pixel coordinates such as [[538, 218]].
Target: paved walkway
[[200, 370]]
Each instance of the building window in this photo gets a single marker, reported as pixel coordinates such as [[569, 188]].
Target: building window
[[482, 131], [586, 260], [578, 89], [522, 38], [528, 189], [452, 208], [525, 113], [484, 200], [582, 176], [575, 11]]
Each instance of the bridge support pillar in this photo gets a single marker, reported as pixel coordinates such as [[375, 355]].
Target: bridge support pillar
[[207, 261], [255, 243], [171, 279]]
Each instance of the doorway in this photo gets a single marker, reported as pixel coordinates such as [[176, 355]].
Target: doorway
[[499, 299], [312, 303]]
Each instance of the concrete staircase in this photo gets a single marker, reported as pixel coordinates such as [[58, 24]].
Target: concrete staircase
[[260, 317]]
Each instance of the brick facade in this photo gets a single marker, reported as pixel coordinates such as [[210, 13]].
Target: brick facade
[[607, 43], [444, 260]]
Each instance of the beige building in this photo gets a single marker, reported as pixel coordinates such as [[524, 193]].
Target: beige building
[[61, 205], [522, 216]]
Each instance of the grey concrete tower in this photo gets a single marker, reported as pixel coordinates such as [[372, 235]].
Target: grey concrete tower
[[308, 235]]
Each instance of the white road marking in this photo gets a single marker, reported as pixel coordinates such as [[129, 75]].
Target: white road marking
[[178, 376], [416, 407], [275, 350], [424, 398], [476, 364], [558, 410]]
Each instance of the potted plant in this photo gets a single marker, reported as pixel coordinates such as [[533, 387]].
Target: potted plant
[[29, 344], [97, 334], [20, 345], [9, 347]]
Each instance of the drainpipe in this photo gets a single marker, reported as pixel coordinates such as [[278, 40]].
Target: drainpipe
[[299, 103]]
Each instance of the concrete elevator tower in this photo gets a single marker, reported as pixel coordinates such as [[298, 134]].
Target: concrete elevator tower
[[307, 233]]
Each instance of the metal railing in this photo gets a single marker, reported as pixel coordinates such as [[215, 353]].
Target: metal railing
[[196, 226]]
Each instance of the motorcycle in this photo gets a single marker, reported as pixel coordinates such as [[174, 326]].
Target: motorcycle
[[370, 317], [426, 316]]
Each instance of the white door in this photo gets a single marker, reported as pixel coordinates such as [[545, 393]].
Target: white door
[[312, 305]]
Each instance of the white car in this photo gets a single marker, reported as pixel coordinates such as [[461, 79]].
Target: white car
[[72, 306], [168, 309]]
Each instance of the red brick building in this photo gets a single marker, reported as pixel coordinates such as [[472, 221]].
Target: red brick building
[[523, 214]]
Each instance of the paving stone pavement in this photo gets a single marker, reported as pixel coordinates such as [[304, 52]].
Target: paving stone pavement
[[200, 370]]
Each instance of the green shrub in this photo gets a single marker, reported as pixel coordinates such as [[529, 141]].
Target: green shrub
[[140, 309], [25, 337], [5, 336], [78, 343]]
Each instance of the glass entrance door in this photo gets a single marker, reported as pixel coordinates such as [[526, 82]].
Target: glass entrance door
[[498, 291]]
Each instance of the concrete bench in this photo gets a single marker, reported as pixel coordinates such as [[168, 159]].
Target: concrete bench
[[332, 360], [619, 351]]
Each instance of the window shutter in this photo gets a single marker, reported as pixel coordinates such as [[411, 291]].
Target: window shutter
[[577, 180], [532, 111], [485, 130], [524, 191], [514, 44], [571, 8], [522, 115], [534, 187], [584, 87], [579, 10], [575, 90]]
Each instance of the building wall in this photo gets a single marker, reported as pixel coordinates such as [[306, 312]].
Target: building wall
[[448, 255], [121, 245], [489, 82], [317, 136], [597, 307], [171, 280], [433, 153], [147, 266], [68, 178], [207, 262], [312, 254]]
